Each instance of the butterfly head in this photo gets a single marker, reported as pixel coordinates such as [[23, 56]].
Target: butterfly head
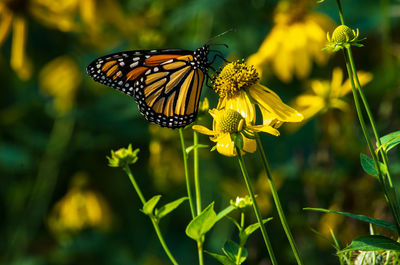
[[201, 57]]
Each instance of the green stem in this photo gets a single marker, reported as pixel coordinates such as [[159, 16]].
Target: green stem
[[185, 163], [375, 131], [370, 147], [340, 11], [197, 190], [200, 250], [255, 206], [152, 218], [278, 202], [240, 250], [196, 171]]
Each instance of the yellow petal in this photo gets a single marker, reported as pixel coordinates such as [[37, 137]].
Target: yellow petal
[[320, 87], [273, 105], [240, 103], [336, 83], [203, 130], [249, 145], [339, 104], [309, 105], [363, 77], [18, 57], [302, 63], [264, 128], [5, 24], [225, 146], [283, 65]]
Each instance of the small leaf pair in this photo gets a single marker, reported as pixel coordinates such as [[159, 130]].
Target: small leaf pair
[[149, 207]]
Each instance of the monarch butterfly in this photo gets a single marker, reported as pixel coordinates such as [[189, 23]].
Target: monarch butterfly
[[166, 84]]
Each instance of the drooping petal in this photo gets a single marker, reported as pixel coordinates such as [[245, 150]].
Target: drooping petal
[[249, 145], [203, 130], [240, 103], [225, 146], [273, 105], [264, 128]]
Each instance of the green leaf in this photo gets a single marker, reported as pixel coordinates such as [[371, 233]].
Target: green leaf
[[202, 223], [325, 238], [221, 258], [378, 222], [169, 207], [231, 250], [390, 140], [244, 234], [148, 206], [251, 228], [372, 243], [190, 148], [368, 165]]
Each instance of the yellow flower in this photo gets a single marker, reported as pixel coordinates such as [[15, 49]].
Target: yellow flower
[[60, 78], [239, 90], [294, 42], [13, 20], [327, 94], [80, 208], [228, 122]]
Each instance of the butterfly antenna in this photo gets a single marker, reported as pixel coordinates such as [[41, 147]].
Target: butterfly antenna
[[219, 35]]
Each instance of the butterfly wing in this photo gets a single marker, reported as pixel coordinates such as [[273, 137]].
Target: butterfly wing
[[166, 84]]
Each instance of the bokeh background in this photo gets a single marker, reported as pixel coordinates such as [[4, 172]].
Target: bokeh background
[[62, 204]]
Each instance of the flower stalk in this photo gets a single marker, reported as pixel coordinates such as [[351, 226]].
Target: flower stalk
[[197, 191], [152, 218], [277, 201], [255, 206], [381, 178], [187, 178], [196, 183], [386, 181]]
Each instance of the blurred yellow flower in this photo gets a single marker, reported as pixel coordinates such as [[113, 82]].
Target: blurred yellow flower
[[79, 209], [294, 42], [13, 20], [61, 14], [327, 94], [60, 79], [239, 90], [227, 122]]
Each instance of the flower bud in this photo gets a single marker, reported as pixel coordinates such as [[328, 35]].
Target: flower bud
[[123, 157], [342, 34]]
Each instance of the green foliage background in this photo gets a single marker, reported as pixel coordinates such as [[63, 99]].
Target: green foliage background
[[41, 151]]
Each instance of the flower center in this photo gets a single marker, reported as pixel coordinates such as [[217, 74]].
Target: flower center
[[230, 121], [235, 76], [342, 34]]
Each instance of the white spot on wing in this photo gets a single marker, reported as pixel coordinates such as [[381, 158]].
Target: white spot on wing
[[167, 62]]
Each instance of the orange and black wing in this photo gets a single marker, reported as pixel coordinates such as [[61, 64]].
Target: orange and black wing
[[166, 84]]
